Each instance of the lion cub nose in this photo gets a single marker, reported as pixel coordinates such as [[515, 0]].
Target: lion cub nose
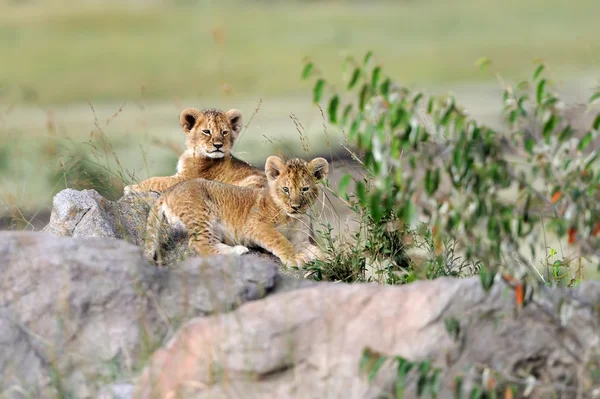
[[295, 207], [218, 145]]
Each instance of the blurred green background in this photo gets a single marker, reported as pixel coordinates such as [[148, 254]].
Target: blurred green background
[[91, 91]]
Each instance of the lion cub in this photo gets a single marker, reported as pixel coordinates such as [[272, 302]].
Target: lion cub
[[212, 212], [210, 135]]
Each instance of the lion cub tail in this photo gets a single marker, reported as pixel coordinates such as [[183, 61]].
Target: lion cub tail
[[152, 237]]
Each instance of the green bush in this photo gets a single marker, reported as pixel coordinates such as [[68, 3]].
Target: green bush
[[478, 199]]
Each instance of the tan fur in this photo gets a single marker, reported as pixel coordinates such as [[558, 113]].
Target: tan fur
[[213, 212], [210, 135]]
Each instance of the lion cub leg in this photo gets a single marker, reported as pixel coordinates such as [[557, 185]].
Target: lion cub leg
[[204, 238], [273, 241]]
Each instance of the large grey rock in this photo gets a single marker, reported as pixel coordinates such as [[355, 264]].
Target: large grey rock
[[77, 313], [87, 214], [309, 343]]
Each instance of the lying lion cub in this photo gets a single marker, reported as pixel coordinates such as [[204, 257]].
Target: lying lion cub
[[212, 212], [210, 135]]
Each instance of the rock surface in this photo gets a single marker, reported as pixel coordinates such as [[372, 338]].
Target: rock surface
[[309, 343], [77, 313], [87, 214]]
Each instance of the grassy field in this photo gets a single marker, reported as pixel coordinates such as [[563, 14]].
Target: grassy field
[[67, 52], [76, 76]]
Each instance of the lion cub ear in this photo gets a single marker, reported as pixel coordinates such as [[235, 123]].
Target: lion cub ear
[[319, 168], [273, 167], [188, 119], [235, 118]]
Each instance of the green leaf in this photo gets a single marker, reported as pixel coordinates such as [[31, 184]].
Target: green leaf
[[404, 367], [529, 142], [354, 128], [361, 192], [367, 58], [585, 141], [363, 97], [520, 102], [397, 116], [344, 181], [375, 78], [550, 101], [422, 380], [373, 372], [432, 181], [375, 206], [371, 362], [346, 113], [486, 276], [430, 106], [523, 85], [385, 87], [538, 71], [409, 212], [540, 91], [475, 393], [318, 90], [596, 123], [308, 68], [565, 134], [483, 63], [354, 78], [417, 98], [549, 127], [434, 381], [446, 116], [458, 386], [594, 97], [333, 108]]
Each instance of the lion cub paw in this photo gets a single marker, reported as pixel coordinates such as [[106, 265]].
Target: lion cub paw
[[128, 190], [225, 249], [296, 261], [312, 252], [240, 250]]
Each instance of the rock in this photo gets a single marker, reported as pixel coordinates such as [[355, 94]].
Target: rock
[[68, 208], [116, 391], [87, 214], [76, 313], [309, 343]]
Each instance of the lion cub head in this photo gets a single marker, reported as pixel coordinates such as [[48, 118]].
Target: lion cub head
[[294, 184], [210, 132]]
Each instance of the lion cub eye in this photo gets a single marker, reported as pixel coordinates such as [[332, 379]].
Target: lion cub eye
[[225, 132], [286, 190], [305, 189], [207, 132]]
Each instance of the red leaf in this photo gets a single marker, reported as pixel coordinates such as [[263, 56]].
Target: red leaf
[[556, 197], [572, 232], [519, 295], [508, 278], [596, 229]]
